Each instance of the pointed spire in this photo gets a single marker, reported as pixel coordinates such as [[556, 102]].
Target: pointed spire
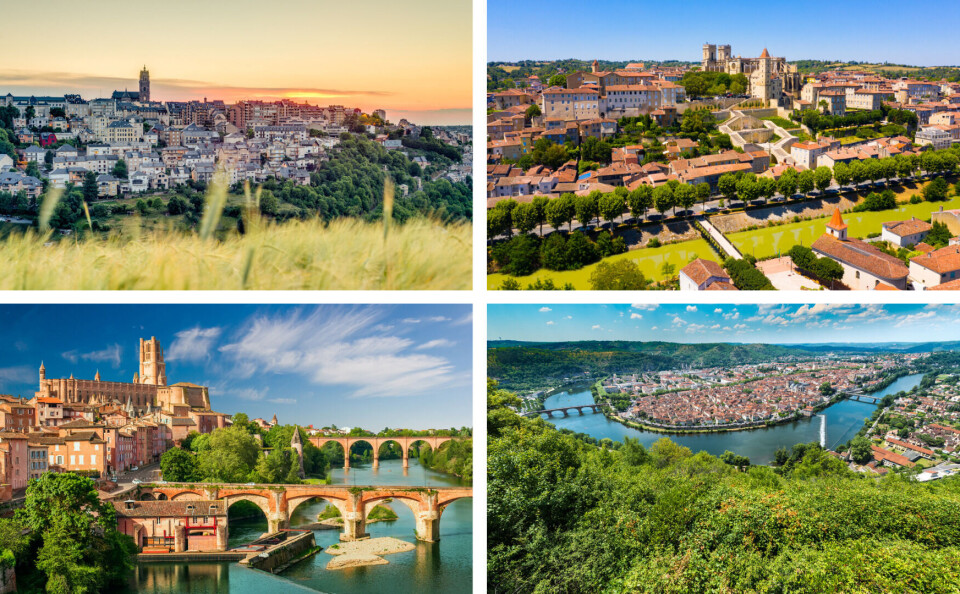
[[836, 221], [96, 378], [296, 436], [765, 53]]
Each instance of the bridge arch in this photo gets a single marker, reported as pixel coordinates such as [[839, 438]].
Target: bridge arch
[[296, 501], [186, 495]]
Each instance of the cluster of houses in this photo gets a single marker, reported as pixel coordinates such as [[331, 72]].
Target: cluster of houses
[[46, 434], [738, 396], [166, 144]]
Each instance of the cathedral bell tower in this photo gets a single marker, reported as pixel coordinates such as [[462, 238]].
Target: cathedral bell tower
[[144, 85], [152, 368]]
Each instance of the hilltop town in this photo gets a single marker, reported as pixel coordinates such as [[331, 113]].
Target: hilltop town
[[631, 175], [129, 146]]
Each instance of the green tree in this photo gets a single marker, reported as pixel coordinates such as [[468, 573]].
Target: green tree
[[269, 205], [561, 210], [32, 169], [177, 205], [557, 80], [540, 210], [500, 219], [594, 149], [532, 112], [90, 190], [727, 184], [841, 172], [685, 196], [822, 177], [787, 184], [587, 207], [178, 465], [141, 206], [806, 181], [641, 199], [663, 198], [703, 192], [81, 549], [611, 206], [936, 190], [620, 275], [939, 235], [860, 450], [230, 456], [120, 169], [524, 217]]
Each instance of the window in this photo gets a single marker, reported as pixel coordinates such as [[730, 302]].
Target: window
[[72, 460], [76, 446], [81, 459], [93, 459]]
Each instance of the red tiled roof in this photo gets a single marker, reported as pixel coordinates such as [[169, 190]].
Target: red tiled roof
[[700, 270], [862, 255]]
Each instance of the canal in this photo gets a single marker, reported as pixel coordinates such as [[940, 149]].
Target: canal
[[445, 566], [832, 426]]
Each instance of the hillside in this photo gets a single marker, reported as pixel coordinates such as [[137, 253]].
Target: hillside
[[532, 365], [567, 516]]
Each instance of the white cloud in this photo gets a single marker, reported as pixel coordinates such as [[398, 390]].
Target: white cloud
[[336, 346], [567, 317], [411, 320], [733, 315], [193, 344], [596, 327], [718, 311], [654, 328], [550, 323], [914, 318], [438, 319], [467, 319], [282, 400], [636, 316], [739, 326], [691, 308], [645, 306], [21, 374], [715, 327], [677, 321], [694, 328], [545, 309], [434, 344], [249, 393], [112, 354]]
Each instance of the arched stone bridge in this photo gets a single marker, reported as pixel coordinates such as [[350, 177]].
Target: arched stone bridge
[[566, 410], [375, 442], [278, 502]]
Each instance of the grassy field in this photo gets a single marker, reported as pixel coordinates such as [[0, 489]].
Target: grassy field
[[649, 259], [772, 240], [347, 254]]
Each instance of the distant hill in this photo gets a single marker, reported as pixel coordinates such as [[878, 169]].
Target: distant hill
[[525, 365]]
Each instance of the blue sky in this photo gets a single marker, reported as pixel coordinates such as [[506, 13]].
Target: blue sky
[[374, 366], [768, 323], [876, 31]]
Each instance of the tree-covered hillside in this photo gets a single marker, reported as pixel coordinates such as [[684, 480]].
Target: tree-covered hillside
[[539, 364], [568, 516]]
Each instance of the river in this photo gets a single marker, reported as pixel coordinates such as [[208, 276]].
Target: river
[[445, 566], [832, 426]]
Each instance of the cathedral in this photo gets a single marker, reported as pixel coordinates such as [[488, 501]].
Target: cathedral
[[769, 77], [148, 391]]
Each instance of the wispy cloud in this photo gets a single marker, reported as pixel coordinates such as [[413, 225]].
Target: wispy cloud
[[193, 344], [112, 354], [338, 346], [436, 344], [20, 374]]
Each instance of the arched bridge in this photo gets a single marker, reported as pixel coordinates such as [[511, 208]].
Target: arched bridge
[[278, 502], [565, 410], [375, 442]]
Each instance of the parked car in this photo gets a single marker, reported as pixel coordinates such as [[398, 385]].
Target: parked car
[[134, 468], [137, 481]]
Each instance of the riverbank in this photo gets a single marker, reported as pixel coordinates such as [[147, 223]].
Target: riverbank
[[360, 553]]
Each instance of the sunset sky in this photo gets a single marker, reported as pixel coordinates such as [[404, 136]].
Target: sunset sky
[[411, 58]]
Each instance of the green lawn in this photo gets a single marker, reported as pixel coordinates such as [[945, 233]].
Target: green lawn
[[782, 122], [772, 240], [649, 259]]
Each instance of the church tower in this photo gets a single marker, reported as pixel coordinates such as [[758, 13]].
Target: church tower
[[297, 444], [43, 374], [144, 84], [152, 368], [836, 227]]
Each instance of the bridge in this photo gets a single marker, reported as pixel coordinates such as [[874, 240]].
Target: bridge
[[863, 398], [278, 502], [375, 442], [565, 410]]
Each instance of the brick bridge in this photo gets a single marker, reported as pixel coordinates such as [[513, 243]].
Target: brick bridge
[[278, 502], [375, 442], [565, 410]]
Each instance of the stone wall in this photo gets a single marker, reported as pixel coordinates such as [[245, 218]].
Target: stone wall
[[279, 556]]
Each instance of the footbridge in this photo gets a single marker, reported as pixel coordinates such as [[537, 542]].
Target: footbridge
[[566, 410], [278, 502], [375, 442]]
